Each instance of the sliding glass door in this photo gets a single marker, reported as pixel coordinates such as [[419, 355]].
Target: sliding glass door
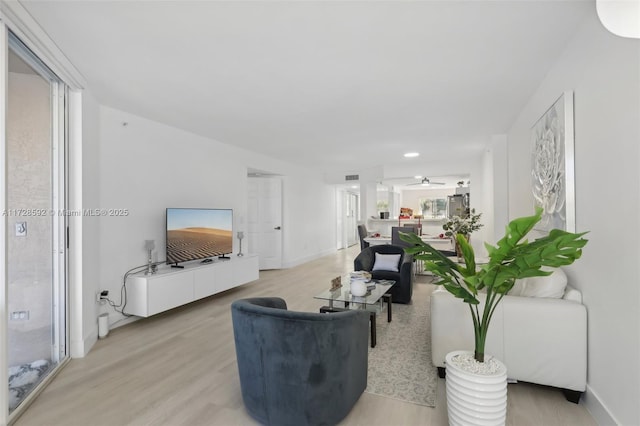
[[35, 223]]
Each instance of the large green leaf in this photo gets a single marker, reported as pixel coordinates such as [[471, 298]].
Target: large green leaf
[[450, 274], [512, 258]]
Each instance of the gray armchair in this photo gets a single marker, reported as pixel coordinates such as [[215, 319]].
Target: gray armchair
[[402, 291], [299, 368]]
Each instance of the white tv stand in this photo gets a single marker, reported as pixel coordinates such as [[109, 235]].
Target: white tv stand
[[172, 287]]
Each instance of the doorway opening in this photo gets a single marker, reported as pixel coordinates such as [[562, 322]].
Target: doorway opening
[[35, 193]]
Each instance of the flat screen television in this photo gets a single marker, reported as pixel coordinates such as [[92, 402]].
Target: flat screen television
[[194, 234]]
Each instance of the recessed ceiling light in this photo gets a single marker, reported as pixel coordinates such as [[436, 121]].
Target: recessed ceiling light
[[412, 154], [417, 177]]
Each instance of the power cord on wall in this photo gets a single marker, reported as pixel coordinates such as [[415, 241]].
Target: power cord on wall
[[123, 289]]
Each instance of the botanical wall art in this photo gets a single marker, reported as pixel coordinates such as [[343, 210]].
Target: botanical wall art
[[552, 165]]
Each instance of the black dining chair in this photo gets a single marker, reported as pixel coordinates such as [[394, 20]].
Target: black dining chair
[[362, 233], [395, 235]]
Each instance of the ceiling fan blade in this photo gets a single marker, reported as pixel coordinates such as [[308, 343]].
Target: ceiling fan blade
[[422, 181], [400, 178]]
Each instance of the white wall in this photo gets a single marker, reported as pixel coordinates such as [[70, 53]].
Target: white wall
[[309, 220], [84, 330], [494, 205], [603, 70], [146, 167]]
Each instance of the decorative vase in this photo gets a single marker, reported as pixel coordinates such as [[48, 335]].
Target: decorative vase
[[459, 249], [459, 252], [476, 392], [358, 287]]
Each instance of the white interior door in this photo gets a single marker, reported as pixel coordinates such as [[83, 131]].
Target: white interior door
[[351, 220], [264, 224], [341, 237]]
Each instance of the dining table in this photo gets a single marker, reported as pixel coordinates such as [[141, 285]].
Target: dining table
[[429, 239]]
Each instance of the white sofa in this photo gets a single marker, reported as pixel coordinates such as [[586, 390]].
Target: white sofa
[[541, 340]]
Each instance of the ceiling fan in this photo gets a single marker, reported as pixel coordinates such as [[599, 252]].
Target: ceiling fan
[[426, 182]]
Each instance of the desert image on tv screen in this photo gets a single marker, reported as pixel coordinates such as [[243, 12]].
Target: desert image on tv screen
[[198, 234]]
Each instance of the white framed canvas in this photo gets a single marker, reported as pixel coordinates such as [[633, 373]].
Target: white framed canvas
[[553, 165]]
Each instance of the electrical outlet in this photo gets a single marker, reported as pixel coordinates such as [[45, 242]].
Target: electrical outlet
[[102, 295], [19, 316]]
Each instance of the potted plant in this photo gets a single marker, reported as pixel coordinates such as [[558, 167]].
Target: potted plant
[[425, 206], [464, 226], [382, 206], [512, 258]]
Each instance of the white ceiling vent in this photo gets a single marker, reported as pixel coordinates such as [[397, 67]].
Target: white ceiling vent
[[352, 177]]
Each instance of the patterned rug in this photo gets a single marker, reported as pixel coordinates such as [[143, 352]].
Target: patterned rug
[[400, 365]]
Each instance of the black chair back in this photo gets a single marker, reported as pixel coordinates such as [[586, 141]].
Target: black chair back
[[362, 233], [402, 290], [299, 368], [395, 235]]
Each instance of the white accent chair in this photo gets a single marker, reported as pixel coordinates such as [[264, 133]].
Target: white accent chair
[[541, 340]]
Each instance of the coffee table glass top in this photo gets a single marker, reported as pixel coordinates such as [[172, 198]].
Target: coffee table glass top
[[343, 294]]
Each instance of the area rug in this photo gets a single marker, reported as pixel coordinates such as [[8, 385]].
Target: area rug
[[400, 365]]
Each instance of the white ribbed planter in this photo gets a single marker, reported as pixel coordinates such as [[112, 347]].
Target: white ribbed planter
[[473, 398]]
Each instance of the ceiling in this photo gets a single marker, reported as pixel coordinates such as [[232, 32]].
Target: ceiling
[[323, 84]]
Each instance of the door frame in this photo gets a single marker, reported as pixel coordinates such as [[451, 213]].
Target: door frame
[[14, 17], [255, 229], [347, 222], [57, 148], [4, 314]]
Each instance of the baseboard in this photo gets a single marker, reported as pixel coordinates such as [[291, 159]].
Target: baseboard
[[302, 260], [596, 407], [123, 321], [80, 348]]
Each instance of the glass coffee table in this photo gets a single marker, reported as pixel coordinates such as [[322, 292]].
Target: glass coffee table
[[373, 301]]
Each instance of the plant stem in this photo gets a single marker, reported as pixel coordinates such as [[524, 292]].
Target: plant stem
[[481, 335], [477, 330]]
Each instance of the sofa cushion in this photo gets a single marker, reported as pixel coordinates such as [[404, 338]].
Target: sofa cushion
[[386, 262], [552, 286]]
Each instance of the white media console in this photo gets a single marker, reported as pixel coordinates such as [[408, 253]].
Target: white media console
[[172, 287]]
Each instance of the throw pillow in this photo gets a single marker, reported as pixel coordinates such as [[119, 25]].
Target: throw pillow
[[550, 286], [386, 262]]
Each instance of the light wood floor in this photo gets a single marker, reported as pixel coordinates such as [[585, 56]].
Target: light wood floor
[[178, 368]]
